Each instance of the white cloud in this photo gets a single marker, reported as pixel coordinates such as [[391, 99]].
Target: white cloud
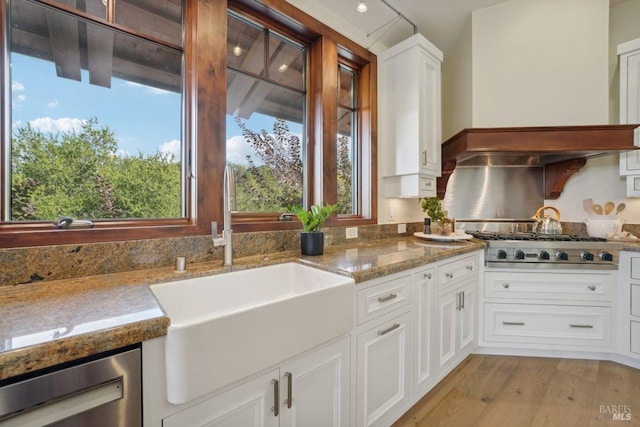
[[18, 100], [17, 86], [237, 150], [53, 104], [50, 125], [172, 146], [122, 153]]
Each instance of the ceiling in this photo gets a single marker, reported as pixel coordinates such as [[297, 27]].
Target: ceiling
[[440, 21]]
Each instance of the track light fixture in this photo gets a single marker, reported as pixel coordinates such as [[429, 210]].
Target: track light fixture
[[362, 6]]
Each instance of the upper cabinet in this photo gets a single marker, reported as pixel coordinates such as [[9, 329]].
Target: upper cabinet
[[629, 54], [410, 118]]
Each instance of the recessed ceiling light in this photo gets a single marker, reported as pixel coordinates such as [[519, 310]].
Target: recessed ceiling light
[[237, 51], [362, 6], [283, 68]]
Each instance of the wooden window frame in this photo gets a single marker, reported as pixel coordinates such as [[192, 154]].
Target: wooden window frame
[[204, 74]]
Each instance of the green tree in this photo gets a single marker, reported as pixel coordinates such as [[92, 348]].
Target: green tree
[[277, 182], [79, 174]]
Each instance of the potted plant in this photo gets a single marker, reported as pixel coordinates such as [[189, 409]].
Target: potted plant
[[311, 238], [433, 207]]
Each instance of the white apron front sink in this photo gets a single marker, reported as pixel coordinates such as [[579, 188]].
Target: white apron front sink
[[226, 327]]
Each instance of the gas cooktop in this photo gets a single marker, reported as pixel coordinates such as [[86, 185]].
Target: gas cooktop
[[535, 250], [488, 235]]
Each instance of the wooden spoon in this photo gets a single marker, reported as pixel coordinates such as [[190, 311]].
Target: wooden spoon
[[620, 208], [608, 207], [597, 209]]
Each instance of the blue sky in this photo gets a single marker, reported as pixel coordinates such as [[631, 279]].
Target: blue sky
[[144, 118]]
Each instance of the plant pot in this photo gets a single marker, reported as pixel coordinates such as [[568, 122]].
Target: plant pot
[[312, 243]]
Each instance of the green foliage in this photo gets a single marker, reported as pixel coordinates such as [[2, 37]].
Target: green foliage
[[278, 181], [433, 207], [313, 219], [79, 174]]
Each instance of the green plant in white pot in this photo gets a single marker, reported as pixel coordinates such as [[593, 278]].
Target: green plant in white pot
[[311, 238]]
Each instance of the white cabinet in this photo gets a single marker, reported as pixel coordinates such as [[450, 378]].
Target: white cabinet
[[383, 381], [312, 390], [565, 310], [410, 112], [423, 282], [455, 326], [629, 54], [628, 321]]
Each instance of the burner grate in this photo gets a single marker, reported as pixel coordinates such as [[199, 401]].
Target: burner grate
[[483, 235]]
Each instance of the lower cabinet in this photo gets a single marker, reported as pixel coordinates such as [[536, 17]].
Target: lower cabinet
[[455, 325], [383, 363], [312, 390]]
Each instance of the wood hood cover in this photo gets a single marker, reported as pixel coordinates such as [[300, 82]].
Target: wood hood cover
[[561, 150]]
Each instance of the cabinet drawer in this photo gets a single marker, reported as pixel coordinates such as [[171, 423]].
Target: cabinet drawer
[[635, 300], [635, 337], [427, 185], [383, 298], [456, 271], [635, 268], [548, 324], [555, 286]]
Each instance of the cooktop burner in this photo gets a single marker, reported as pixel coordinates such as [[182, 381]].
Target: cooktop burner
[[488, 235]]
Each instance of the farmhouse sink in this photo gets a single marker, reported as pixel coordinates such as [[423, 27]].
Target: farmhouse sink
[[228, 326]]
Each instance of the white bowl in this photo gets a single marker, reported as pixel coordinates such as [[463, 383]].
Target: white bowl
[[603, 225]]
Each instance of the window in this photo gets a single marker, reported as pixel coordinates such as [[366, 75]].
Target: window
[[96, 115], [125, 113], [266, 83], [346, 139]]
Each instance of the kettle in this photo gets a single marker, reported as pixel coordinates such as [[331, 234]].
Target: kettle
[[547, 225]]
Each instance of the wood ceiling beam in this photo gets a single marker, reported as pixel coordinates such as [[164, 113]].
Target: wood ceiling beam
[[65, 44]]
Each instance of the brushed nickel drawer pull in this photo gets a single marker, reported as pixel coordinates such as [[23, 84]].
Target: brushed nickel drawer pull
[[276, 398], [427, 184], [462, 300], [592, 288], [469, 267], [425, 159], [449, 275], [289, 376], [427, 275], [582, 326], [387, 298], [513, 323], [389, 329], [505, 285], [458, 299]]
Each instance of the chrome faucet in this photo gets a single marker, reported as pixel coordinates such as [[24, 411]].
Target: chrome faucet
[[229, 196]]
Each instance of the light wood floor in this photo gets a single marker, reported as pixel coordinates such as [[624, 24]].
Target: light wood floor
[[497, 391]]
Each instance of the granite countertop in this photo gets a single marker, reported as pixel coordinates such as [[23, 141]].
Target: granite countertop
[[47, 323]]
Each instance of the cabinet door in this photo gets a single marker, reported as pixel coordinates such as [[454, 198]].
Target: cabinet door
[[424, 288], [249, 404], [447, 307], [467, 329], [315, 388], [383, 371], [429, 123]]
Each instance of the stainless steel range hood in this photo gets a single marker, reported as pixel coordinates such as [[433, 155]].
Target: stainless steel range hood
[[559, 151]]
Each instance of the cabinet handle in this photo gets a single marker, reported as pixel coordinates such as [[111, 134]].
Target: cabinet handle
[[289, 399], [427, 184], [276, 398], [592, 288], [505, 285], [449, 275], [462, 300], [582, 326], [470, 267], [389, 329], [424, 158], [513, 323], [427, 275], [458, 301], [387, 298]]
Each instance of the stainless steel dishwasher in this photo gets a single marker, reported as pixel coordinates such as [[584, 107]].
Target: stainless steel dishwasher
[[102, 392]]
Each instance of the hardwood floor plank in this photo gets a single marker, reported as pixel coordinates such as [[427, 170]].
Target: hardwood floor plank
[[497, 391], [566, 402]]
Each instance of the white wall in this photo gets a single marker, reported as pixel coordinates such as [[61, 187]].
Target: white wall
[[541, 62]]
